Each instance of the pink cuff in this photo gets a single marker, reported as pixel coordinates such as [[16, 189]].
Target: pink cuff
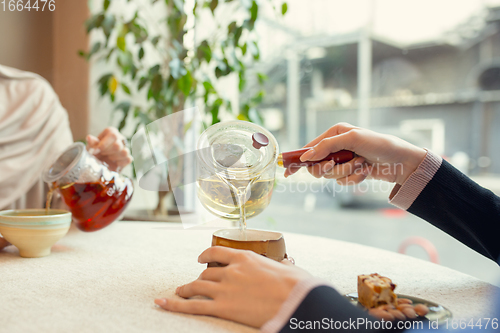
[[402, 196], [299, 292]]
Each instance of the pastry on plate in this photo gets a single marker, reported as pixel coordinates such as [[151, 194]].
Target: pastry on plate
[[375, 290]]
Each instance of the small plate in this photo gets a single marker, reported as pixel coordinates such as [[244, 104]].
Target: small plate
[[436, 311]]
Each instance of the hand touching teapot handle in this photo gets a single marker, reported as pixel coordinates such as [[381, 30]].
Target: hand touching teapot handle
[[292, 158]]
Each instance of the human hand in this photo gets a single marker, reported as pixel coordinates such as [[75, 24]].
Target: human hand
[[380, 156], [249, 290], [110, 148]]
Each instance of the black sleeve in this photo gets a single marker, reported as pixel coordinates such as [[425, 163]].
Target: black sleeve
[[452, 202], [460, 207], [325, 309]]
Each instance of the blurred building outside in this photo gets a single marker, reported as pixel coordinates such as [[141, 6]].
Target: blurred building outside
[[442, 93]]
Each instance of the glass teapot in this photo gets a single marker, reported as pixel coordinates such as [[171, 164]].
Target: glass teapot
[[95, 195], [236, 169]]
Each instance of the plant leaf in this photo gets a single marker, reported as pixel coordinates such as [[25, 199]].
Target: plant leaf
[[242, 117], [137, 111], [153, 70], [123, 122], [120, 43], [125, 61], [214, 110], [156, 85], [113, 85], [213, 5], [204, 51], [254, 11], [140, 33], [187, 126], [208, 86], [262, 78], [94, 22], [103, 83], [242, 81], [249, 24], [231, 27], [195, 7], [237, 35], [284, 8], [142, 82], [96, 47], [124, 106], [257, 99], [113, 49], [108, 25], [133, 71], [222, 68], [185, 82], [254, 50], [106, 4], [155, 40], [141, 53], [125, 88]]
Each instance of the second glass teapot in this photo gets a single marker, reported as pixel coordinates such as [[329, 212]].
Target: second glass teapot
[[95, 195]]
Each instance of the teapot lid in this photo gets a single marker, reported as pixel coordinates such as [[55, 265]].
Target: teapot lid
[[238, 147], [73, 165]]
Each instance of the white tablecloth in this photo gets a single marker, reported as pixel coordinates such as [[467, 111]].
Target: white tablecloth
[[106, 281]]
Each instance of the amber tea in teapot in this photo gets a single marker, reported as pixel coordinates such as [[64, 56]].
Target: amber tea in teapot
[[95, 195]]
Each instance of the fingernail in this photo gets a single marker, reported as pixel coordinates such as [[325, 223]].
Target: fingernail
[[366, 171], [328, 166], [161, 301], [94, 151], [308, 155], [177, 290]]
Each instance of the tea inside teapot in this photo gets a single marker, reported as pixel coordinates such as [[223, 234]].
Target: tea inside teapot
[[236, 178], [95, 195]]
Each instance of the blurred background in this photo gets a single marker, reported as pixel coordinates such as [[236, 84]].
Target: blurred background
[[426, 71]]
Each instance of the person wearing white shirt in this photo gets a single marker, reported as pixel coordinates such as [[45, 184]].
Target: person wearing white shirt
[[34, 129]]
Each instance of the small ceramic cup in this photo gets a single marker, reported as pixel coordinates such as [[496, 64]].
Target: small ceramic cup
[[267, 243], [34, 231]]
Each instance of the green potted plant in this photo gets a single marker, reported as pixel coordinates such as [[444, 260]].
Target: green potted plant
[[181, 74]]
